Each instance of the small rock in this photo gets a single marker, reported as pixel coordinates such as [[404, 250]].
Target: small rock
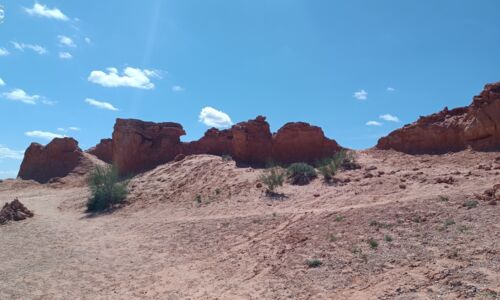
[[368, 175], [492, 202], [402, 186], [258, 185], [370, 168], [179, 157], [316, 195]]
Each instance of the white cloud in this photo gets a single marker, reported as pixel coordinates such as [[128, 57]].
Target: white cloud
[[20, 95], [2, 14], [46, 135], [130, 77], [391, 89], [2, 83], [373, 123], [178, 88], [101, 104], [41, 10], [88, 40], [37, 48], [65, 55], [361, 95], [71, 128], [6, 153], [65, 41], [214, 118], [4, 52], [390, 118]]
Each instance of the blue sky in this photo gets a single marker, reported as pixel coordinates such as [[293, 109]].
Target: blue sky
[[72, 67]]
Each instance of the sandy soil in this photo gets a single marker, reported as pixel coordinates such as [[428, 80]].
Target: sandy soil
[[202, 229]]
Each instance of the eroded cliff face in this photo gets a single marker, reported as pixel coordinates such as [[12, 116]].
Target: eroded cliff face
[[476, 126], [139, 146], [103, 150], [56, 159]]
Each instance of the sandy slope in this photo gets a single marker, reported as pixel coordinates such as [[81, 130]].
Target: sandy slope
[[237, 244]]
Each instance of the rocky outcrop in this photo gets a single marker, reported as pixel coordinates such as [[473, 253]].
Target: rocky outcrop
[[56, 159], [476, 126], [103, 150], [139, 145], [301, 142]]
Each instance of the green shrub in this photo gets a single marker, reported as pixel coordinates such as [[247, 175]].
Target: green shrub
[[106, 188], [301, 173], [273, 178], [470, 204], [313, 263], [373, 243]]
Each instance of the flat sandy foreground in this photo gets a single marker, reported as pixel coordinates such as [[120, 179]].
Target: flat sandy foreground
[[202, 229]]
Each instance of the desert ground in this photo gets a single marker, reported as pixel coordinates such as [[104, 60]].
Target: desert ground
[[401, 227]]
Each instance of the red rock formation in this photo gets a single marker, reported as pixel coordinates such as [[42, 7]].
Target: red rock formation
[[56, 159], [301, 142], [103, 150], [476, 126], [139, 145]]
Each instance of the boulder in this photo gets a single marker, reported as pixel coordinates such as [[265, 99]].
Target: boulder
[[476, 126], [56, 159], [103, 150], [139, 146], [14, 211]]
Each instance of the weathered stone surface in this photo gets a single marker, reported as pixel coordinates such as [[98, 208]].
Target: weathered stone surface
[[103, 150], [14, 211], [301, 142], [139, 145], [476, 126], [56, 159]]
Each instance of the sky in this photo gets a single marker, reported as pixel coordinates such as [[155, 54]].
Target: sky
[[359, 69]]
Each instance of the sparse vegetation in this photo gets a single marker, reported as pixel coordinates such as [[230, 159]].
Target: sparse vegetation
[[388, 238], [470, 204], [343, 159], [373, 243], [449, 222], [443, 198], [197, 198], [226, 157], [313, 263], [106, 188], [463, 228], [301, 173], [273, 177], [332, 238], [339, 218]]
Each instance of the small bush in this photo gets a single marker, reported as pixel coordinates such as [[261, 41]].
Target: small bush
[[449, 222], [470, 204], [226, 157], [373, 243], [328, 171], [273, 178], [313, 263], [388, 238], [443, 198], [106, 188], [301, 173], [346, 160]]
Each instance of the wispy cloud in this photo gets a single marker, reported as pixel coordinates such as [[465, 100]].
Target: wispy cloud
[[389, 118], [6, 153], [391, 89], [214, 118], [100, 104], [21, 96], [88, 40], [68, 129], [4, 52], [178, 88], [41, 10], [66, 41], [37, 48], [2, 83], [361, 95], [65, 55], [130, 77], [45, 135], [373, 123]]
